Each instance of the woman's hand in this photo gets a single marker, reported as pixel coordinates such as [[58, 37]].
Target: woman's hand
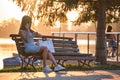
[[27, 26], [36, 34]]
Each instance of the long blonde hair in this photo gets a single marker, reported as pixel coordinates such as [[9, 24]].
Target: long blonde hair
[[26, 19]]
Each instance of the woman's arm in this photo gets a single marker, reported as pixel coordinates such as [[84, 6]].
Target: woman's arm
[[24, 35], [36, 34]]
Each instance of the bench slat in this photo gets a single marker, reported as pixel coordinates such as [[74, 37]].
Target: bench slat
[[74, 58], [70, 54], [65, 45], [64, 41], [56, 37], [66, 49]]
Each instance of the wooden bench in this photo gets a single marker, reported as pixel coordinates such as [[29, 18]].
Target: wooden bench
[[65, 49]]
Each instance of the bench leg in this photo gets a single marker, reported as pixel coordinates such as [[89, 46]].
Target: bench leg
[[25, 63], [85, 62], [60, 62]]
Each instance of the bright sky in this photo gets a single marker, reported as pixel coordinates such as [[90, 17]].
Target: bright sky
[[8, 9]]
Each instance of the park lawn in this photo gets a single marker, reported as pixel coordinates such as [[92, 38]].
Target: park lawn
[[69, 67]]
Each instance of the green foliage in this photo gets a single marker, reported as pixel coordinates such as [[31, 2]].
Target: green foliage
[[52, 10], [70, 4]]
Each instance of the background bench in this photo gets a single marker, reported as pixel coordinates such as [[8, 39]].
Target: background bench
[[65, 49]]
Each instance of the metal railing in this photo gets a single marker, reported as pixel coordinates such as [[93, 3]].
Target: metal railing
[[88, 38]]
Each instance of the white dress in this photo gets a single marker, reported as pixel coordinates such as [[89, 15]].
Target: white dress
[[30, 47]]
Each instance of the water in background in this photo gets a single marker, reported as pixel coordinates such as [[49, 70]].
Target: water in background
[[7, 48], [83, 46]]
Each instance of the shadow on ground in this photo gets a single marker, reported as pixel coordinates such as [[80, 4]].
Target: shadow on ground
[[70, 75]]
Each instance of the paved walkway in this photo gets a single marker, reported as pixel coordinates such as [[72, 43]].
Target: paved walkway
[[63, 75]]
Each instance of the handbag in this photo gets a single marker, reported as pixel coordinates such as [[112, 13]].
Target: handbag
[[48, 44]]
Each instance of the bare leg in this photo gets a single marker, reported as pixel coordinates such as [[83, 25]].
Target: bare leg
[[47, 54], [44, 55], [51, 57]]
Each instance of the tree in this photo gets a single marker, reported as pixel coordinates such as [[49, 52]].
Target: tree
[[100, 11], [9, 26]]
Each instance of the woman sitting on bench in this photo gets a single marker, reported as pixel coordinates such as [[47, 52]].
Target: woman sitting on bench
[[27, 35]]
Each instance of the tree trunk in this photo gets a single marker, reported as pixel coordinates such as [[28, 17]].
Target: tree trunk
[[100, 33]]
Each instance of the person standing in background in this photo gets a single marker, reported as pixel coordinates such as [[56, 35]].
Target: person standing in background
[[111, 40]]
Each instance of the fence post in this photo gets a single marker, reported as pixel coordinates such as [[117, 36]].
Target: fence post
[[88, 43], [117, 46], [76, 38]]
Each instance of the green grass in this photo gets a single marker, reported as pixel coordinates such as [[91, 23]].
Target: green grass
[[69, 67]]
